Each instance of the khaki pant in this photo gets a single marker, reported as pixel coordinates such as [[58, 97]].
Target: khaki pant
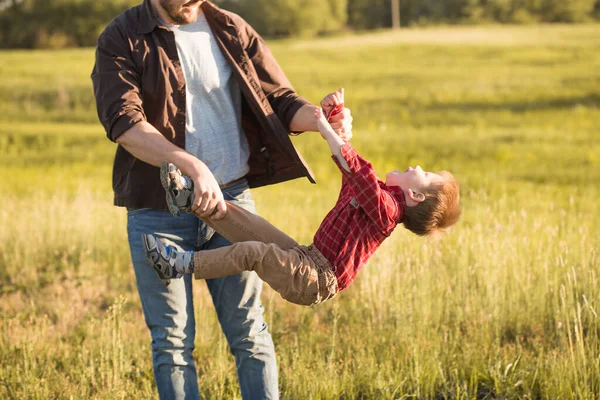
[[300, 274]]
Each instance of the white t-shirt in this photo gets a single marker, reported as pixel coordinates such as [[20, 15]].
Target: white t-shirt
[[213, 128]]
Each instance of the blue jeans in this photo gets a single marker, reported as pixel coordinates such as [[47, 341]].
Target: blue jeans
[[169, 310]]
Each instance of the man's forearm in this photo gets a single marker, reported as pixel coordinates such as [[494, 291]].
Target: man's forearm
[[144, 142], [147, 144], [304, 119]]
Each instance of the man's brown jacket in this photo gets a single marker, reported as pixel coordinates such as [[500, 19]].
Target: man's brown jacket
[[138, 77]]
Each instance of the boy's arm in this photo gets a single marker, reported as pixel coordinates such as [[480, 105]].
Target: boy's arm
[[333, 140], [359, 174]]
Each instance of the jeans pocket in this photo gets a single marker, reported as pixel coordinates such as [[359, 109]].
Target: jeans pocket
[[238, 192], [240, 195]]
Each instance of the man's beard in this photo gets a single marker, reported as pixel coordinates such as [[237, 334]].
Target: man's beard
[[176, 13]]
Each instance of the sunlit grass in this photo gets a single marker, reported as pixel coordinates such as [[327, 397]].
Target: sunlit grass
[[505, 306]]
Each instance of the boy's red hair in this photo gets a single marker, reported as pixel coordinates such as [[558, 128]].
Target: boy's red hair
[[439, 210]]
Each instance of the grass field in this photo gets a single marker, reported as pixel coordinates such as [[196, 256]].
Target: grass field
[[505, 306]]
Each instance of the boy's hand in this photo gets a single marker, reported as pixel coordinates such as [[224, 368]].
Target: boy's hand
[[340, 120], [331, 100]]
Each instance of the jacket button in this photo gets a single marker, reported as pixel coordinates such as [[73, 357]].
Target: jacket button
[[181, 123]]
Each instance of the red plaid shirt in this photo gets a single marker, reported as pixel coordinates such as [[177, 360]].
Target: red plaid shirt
[[366, 213]]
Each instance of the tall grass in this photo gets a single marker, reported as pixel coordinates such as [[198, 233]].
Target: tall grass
[[505, 306]]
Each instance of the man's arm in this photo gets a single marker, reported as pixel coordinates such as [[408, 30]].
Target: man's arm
[[117, 83], [294, 111], [117, 89], [304, 119], [340, 123], [144, 142], [274, 83]]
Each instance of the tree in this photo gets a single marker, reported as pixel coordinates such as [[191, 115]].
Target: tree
[[282, 18], [395, 14], [57, 23], [369, 14], [567, 11]]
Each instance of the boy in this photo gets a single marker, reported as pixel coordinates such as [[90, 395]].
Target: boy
[[366, 213]]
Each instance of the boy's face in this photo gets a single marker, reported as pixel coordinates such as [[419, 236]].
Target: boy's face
[[413, 180]]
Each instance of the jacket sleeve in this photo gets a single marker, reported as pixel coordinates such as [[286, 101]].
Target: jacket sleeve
[[279, 91], [116, 83], [378, 204]]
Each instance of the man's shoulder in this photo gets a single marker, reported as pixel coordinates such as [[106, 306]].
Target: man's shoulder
[[226, 14], [229, 17], [125, 23]]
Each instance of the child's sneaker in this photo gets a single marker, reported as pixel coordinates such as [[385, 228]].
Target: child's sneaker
[[179, 189], [168, 262]]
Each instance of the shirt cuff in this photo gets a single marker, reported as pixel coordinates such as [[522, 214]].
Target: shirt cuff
[[124, 122], [291, 112], [351, 156]]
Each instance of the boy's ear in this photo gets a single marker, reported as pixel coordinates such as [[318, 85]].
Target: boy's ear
[[416, 196]]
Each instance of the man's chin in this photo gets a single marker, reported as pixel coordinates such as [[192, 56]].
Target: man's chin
[[186, 16]]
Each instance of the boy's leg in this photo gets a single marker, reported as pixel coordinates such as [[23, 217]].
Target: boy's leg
[[240, 225], [290, 272], [287, 271]]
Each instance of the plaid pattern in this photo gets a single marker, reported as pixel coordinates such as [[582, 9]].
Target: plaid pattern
[[367, 211]]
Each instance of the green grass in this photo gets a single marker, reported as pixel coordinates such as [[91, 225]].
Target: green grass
[[505, 306]]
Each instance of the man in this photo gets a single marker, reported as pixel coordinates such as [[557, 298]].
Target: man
[[188, 83]]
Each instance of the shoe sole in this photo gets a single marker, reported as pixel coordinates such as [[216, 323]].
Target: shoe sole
[[149, 259], [166, 184], [164, 176]]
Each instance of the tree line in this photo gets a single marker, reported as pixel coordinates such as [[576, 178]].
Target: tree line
[[72, 23]]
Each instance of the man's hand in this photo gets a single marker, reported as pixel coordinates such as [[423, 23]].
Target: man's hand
[[208, 198], [341, 122]]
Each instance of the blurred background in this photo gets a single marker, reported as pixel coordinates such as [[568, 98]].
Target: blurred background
[[42, 24], [503, 93]]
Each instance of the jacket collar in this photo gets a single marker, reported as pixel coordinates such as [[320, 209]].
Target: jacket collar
[[147, 19]]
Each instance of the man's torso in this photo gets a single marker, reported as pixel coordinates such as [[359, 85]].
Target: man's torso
[[137, 53], [213, 130]]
